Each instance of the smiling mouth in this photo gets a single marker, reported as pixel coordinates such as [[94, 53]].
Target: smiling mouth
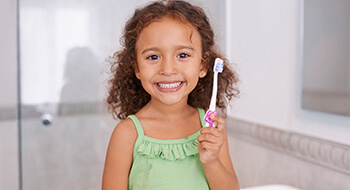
[[169, 87]]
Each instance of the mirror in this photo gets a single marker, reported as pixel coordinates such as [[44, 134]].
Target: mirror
[[326, 56]]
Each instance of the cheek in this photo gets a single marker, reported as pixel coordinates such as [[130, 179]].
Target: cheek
[[194, 75], [144, 71], [193, 71]]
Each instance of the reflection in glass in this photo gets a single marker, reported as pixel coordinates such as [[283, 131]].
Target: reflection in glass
[[326, 56]]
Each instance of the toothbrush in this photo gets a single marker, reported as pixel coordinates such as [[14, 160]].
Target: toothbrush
[[218, 67]]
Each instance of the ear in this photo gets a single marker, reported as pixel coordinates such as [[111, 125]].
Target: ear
[[137, 72], [203, 71]]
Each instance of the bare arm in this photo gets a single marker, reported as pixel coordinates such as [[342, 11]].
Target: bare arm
[[119, 157], [215, 157]]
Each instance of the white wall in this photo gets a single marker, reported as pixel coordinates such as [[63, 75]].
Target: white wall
[[265, 46]]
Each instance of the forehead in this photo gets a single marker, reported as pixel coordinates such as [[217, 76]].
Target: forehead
[[168, 31]]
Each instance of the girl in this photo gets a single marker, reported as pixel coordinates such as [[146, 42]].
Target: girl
[[161, 85]]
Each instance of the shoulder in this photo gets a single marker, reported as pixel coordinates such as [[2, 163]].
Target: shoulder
[[123, 137], [119, 156], [122, 140], [125, 130]]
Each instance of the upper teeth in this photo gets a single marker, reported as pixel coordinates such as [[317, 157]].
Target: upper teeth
[[169, 85]]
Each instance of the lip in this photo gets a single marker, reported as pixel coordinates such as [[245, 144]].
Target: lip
[[169, 86]]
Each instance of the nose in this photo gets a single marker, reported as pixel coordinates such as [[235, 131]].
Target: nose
[[168, 67]]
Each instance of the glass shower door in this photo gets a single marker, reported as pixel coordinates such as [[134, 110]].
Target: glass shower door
[[64, 126]]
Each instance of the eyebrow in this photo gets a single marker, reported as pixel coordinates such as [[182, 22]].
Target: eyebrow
[[184, 47], [176, 48], [149, 49]]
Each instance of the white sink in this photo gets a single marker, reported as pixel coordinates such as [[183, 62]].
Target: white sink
[[271, 187]]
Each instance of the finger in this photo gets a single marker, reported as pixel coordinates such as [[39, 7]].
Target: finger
[[217, 118], [200, 147], [207, 146], [219, 122], [208, 138], [211, 130]]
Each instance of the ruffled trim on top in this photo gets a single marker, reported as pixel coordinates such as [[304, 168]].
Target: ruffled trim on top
[[174, 151]]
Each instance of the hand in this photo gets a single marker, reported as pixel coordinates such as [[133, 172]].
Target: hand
[[211, 139]]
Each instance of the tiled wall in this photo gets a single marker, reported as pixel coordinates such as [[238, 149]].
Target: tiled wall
[[266, 155]]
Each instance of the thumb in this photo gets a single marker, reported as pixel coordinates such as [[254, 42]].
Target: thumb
[[220, 127]]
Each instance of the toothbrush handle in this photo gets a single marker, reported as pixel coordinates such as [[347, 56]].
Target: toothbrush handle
[[214, 92], [212, 105], [209, 121]]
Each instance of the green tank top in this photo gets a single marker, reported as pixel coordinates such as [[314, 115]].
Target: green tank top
[[166, 164]]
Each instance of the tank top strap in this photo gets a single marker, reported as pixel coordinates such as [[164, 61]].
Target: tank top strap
[[201, 116], [138, 125], [140, 134]]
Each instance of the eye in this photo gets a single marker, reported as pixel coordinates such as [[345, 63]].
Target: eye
[[153, 57], [183, 55]]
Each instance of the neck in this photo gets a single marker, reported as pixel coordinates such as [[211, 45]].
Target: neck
[[169, 111]]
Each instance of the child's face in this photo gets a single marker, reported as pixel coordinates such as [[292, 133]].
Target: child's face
[[169, 60]]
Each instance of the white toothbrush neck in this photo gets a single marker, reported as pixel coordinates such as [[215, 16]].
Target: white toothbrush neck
[[214, 92]]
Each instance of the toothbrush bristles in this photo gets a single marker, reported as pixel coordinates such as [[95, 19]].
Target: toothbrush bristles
[[219, 65]]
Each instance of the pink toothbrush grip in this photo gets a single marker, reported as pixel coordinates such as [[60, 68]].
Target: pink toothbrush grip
[[207, 117]]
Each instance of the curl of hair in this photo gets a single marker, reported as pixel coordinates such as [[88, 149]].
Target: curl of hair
[[126, 94]]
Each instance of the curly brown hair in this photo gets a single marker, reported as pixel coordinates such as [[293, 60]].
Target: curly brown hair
[[126, 94]]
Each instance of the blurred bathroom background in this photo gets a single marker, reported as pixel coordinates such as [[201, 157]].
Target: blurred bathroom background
[[290, 126]]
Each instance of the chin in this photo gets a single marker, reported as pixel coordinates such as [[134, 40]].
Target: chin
[[172, 100]]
